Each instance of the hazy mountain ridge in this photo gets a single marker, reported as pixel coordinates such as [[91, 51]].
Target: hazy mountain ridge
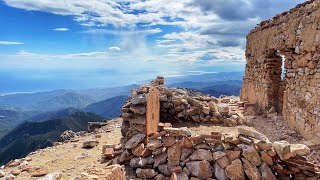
[[69, 99], [109, 108], [215, 88], [11, 117]]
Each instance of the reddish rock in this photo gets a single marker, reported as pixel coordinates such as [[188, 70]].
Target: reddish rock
[[138, 150], [15, 172], [185, 142], [251, 171], [249, 152], [266, 173], [108, 152], [217, 155], [201, 154], [159, 177], [232, 155], [39, 173], [235, 170], [266, 158], [200, 169], [168, 141], [174, 153], [146, 173], [174, 169], [223, 162], [179, 176]]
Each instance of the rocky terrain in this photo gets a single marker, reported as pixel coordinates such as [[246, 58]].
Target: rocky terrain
[[197, 144]]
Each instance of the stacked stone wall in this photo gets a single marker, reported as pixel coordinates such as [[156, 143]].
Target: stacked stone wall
[[296, 36], [167, 150]]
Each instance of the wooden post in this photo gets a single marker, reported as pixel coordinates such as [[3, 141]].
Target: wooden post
[[153, 111]]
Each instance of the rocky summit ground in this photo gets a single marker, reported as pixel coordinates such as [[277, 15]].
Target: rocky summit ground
[[69, 160]]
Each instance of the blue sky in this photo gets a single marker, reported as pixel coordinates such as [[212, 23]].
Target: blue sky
[[50, 44]]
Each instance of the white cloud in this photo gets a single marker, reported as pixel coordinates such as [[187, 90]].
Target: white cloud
[[123, 32], [61, 29], [10, 43], [114, 48], [201, 31]]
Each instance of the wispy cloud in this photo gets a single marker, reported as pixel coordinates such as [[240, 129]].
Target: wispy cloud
[[123, 32], [114, 48], [61, 29], [10, 43]]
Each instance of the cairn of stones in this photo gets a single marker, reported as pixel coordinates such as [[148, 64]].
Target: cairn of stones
[[153, 149]]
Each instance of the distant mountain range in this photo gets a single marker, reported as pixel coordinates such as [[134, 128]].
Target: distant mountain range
[[30, 136], [61, 99], [109, 108], [215, 88]]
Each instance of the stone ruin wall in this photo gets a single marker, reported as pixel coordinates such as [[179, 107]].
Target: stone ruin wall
[[154, 148], [296, 36], [176, 105]]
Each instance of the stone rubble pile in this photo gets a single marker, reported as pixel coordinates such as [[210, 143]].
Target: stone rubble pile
[[174, 153], [177, 105], [69, 135]]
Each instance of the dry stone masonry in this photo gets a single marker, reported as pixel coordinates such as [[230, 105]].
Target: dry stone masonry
[[154, 149], [175, 105], [291, 39]]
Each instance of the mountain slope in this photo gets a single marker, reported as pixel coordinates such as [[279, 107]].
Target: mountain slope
[[105, 93], [225, 88], [53, 115], [30, 136], [63, 101], [109, 108], [26, 100], [11, 117]]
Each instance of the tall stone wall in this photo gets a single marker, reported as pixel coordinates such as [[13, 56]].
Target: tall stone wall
[[294, 35]]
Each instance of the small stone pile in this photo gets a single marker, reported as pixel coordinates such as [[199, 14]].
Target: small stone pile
[[174, 153]]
